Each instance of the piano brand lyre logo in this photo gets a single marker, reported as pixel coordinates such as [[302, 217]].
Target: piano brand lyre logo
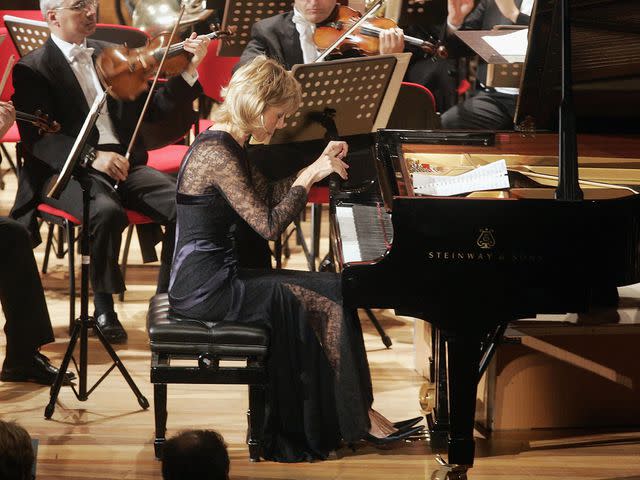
[[486, 239]]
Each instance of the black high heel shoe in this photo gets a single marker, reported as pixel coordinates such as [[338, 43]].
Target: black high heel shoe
[[394, 437], [407, 423]]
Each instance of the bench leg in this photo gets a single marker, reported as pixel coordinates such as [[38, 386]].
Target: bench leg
[[160, 412], [255, 420]]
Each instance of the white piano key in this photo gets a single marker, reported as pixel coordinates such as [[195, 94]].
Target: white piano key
[[348, 235]]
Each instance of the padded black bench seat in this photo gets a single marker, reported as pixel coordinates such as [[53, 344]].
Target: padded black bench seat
[[183, 338]]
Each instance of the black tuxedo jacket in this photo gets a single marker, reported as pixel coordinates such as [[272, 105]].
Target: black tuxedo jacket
[[277, 38], [43, 80]]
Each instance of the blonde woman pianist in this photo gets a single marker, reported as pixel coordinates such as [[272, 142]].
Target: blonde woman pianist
[[320, 388]]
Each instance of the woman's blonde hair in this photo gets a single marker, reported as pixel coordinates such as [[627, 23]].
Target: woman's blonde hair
[[254, 87]]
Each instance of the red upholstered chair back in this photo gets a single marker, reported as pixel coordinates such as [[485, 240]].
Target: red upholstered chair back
[[6, 50], [215, 71]]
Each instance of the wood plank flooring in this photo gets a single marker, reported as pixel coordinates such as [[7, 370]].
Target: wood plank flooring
[[110, 437]]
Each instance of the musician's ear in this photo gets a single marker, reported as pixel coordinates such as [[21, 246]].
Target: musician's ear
[[52, 17]]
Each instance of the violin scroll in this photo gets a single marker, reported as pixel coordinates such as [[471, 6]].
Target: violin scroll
[[40, 120]]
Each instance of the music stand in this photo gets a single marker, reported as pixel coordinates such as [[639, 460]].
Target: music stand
[[502, 70], [84, 322], [356, 94], [243, 15], [26, 34], [418, 12]]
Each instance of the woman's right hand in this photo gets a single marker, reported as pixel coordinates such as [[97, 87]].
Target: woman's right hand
[[330, 161]]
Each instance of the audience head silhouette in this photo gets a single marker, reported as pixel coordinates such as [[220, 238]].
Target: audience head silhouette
[[16, 452], [195, 454]]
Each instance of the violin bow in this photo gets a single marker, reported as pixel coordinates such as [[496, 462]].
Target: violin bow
[[373, 9], [153, 85], [5, 75]]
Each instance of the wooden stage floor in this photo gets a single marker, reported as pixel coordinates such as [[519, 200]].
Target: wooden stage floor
[[110, 437]]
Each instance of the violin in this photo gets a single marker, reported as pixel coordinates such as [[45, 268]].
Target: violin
[[126, 70], [40, 120], [365, 38]]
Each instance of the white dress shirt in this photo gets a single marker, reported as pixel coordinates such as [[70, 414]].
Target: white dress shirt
[[306, 29], [79, 58]]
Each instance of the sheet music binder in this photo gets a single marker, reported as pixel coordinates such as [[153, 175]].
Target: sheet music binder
[[26, 34], [358, 92], [243, 14]]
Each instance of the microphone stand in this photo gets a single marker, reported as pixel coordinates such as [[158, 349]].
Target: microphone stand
[[84, 322]]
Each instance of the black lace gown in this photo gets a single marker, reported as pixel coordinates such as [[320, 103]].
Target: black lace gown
[[320, 386]]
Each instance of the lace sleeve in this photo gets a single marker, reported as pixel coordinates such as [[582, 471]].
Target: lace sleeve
[[270, 191], [215, 166]]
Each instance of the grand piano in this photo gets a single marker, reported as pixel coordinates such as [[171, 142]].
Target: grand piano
[[549, 244]]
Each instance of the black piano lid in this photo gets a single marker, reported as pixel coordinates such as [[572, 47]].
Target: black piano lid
[[606, 67]]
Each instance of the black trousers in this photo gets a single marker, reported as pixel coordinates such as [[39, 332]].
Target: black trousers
[[145, 190], [27, 324], [486, 110]]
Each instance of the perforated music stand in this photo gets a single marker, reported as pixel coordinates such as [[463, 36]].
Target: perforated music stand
[[243, 14], [357, 94], [26, 34], [418, 12]]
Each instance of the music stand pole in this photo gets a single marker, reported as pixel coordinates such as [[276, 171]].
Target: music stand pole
[[85, 322]]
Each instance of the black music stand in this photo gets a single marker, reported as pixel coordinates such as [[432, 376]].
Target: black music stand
[[84, 322], [419, 12], [243, 15], [344, 98]]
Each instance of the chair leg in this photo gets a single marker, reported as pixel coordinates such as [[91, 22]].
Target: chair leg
[[125, 259], [47, 248], [60, 246], [160, 413], [72, 272]]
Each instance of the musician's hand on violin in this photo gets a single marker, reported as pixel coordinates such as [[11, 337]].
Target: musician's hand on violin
[[458, 11], [508, 9], [113, 164], [391, 40], [198, 46], [7, 117]]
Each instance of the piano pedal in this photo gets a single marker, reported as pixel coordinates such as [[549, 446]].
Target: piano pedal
[[449, 471]]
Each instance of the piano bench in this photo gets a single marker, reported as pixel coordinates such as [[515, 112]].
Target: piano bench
[[173, 338]]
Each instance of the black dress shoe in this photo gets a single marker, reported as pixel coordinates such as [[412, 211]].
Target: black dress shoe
[[111, 327], [393, 437], [407, 423], [39, 371]]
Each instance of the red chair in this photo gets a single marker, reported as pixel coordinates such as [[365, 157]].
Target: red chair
[[167, 159], [415, 109], [55, 216]]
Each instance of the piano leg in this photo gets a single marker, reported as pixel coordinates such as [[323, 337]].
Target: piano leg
[[463, 361], [438, 419]]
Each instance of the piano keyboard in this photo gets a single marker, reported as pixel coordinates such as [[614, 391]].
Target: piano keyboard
[[366, 231]]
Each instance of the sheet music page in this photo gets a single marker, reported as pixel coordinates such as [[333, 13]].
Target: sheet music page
[[509, 45], [492, 176]]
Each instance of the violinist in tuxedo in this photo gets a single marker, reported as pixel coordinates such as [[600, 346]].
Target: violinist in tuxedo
[[288, 37], [60, 79], [487, 108]]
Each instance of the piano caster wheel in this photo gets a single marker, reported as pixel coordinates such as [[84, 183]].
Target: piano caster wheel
[[327, 266], [449, 472], [427, 397]]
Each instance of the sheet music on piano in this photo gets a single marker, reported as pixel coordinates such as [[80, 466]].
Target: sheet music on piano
[[492, 176]]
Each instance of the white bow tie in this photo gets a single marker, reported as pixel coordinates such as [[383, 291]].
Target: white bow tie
[[298, 19], [80, 54]]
